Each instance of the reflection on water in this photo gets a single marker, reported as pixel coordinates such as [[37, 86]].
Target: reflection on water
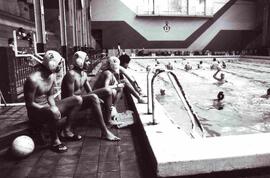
[[244, 111]]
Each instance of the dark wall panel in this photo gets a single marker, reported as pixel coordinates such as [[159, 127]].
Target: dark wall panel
[[227, 40]]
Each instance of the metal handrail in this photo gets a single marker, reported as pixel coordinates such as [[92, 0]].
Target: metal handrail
[[153, 68], [180, 92], [149, 89], [22, 55], [39, 59]]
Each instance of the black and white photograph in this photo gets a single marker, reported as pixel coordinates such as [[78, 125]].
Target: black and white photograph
[[134, 89]]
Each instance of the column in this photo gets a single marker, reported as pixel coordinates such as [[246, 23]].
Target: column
[[265, 27], [40, 25], [63, 27]]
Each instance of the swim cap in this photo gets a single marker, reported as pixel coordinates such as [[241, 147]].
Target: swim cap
[[52, 61], [220, 95], [114, 63], [79, 59]]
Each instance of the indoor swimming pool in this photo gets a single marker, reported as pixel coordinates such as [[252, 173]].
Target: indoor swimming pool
[[243, 109]]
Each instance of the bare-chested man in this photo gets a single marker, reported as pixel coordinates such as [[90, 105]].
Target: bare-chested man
[[267, 95], [188, 66], [110, 77], [218, 102], [40, 103], [76, 80], [130, 83]]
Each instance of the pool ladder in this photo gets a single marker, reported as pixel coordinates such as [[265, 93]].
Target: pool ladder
[[180, 92]]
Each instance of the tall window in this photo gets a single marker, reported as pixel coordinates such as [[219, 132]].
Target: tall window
[[197, 7], [179, 7], [171, 7]]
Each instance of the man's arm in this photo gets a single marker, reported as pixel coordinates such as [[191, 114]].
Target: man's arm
[[50, 96], [107, 78], [29, 89], [124, 72], [131, 79], [87, 85], [51, 102], [215, 75], [67, 87]]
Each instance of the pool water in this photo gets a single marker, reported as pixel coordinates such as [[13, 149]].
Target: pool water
[[244, 110]]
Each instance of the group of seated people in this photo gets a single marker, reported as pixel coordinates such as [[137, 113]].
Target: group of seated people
[[76, 95]]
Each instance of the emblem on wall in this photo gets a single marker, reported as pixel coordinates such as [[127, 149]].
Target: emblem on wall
[[166, 27]]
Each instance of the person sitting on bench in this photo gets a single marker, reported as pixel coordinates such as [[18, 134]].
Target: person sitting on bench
[[42, 107], [76, 80]]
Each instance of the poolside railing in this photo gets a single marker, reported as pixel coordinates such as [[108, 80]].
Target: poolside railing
[[14, 71], [180, 92]]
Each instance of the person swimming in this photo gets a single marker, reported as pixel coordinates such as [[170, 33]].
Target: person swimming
[[169, 66], [223, 65], [218, 102], [215, 64], [188, 67], [201, 65], [267, 95], [157, 62]]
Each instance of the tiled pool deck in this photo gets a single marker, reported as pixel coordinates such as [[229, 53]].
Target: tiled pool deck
[[91, 157], [95, 158]]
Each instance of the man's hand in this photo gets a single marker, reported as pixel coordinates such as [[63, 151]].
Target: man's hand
[[56, 112], [120, 85]]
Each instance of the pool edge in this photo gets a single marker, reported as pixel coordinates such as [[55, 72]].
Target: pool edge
[[199, 156]]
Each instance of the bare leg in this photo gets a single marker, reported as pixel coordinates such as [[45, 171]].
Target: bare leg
[[116, 95], [106, 95], [45, 115], [69, 106], [53, 122], [93, 100]]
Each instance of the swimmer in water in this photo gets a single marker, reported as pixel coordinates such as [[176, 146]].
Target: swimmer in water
[[223, 65], [215, 64], [201, 65], [169, 66], [267, 95], [218, 102], [221, 79], [157, 62], [188, 67]]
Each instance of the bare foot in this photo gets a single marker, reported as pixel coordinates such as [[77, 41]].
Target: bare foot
[[114, 122], [142, 101], [110, 136]]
